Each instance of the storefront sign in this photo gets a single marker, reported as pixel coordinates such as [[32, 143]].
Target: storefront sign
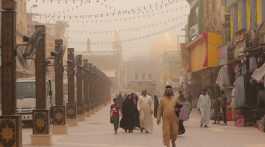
[[204, 51]]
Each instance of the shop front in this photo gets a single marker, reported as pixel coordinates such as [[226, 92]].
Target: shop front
[[202, 61], [245, 67]]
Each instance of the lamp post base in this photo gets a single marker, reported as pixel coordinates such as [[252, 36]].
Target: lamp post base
[[59, 130], [72, 122], [41, 140], [11, 131]]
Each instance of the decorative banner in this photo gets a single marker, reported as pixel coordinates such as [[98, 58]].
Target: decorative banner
[[133, 29], [132, 39], [101, 18], [130, 14]]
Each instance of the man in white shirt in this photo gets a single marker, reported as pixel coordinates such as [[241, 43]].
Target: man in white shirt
[[204, 105], [146, 109]]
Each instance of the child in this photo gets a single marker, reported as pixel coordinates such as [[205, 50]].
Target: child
[[115, 115]]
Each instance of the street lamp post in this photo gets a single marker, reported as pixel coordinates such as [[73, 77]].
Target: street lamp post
[[71, 105], [79, 84], [58, 111], [41, 123], [10, 123], [86, 77]]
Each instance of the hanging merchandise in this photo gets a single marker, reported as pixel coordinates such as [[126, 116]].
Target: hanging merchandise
[[259, 73], [223, 78], [252, 64], [240, 96]]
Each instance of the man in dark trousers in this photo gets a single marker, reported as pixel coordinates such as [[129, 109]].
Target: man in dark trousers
[[156, 105], [224, 106]]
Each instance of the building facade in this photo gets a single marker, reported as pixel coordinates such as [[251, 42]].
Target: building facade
[[245, 14], [141, 75], [205, 16], [201, 52], [171, 70]]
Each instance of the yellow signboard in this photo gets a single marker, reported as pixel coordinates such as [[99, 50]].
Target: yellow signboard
[[204, 51]]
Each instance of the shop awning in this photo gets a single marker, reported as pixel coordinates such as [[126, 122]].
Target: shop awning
[[259, 73]]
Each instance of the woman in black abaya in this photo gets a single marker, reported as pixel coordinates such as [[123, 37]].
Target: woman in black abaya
[[128, 121]]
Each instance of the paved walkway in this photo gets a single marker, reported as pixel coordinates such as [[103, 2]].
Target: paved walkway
[[97, 132]]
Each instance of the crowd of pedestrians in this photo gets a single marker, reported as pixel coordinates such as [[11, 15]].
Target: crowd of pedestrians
[[136, 112]]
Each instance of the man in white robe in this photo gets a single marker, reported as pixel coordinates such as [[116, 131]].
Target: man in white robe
[[204, 105], [146, 109]]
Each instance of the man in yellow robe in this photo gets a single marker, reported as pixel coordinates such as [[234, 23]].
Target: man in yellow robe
[[167, 111]]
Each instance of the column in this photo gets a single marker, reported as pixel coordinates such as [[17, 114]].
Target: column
[[10, 123], [41, 123], [86, 86], [71, 105], [79, 84], [58, 111]]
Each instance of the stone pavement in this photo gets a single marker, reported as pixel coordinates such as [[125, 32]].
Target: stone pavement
[[97, 132]]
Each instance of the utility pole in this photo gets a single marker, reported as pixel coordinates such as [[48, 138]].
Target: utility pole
[[10, 123], [41, 122], [79, 83], [59, 116], [71, 105], [86, 77]]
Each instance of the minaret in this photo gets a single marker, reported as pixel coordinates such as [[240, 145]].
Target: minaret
[[116, 46]]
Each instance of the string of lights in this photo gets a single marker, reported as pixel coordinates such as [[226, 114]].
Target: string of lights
[[142, 37]]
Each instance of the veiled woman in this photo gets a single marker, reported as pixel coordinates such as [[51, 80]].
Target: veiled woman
[[129, 114]]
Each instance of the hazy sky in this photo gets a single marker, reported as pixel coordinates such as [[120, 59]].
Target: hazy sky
[[173, 19]]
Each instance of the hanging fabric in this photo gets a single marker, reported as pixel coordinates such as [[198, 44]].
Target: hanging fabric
[[252, 64], [240, 96], [223, 78], [259, 73]]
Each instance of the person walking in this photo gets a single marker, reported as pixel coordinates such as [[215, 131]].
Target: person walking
[[146, 109], [217, 110], [224, 106], [184, 112], [115, 115], [167, 112], [156, 104], [204, 106], [135, 102], [129, 112]]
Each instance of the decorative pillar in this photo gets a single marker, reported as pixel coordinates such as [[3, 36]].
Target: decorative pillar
[[86, 82], [10, 123], [58, 111], [41, 123], [71, 105], [92, 88], [79, 84]]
